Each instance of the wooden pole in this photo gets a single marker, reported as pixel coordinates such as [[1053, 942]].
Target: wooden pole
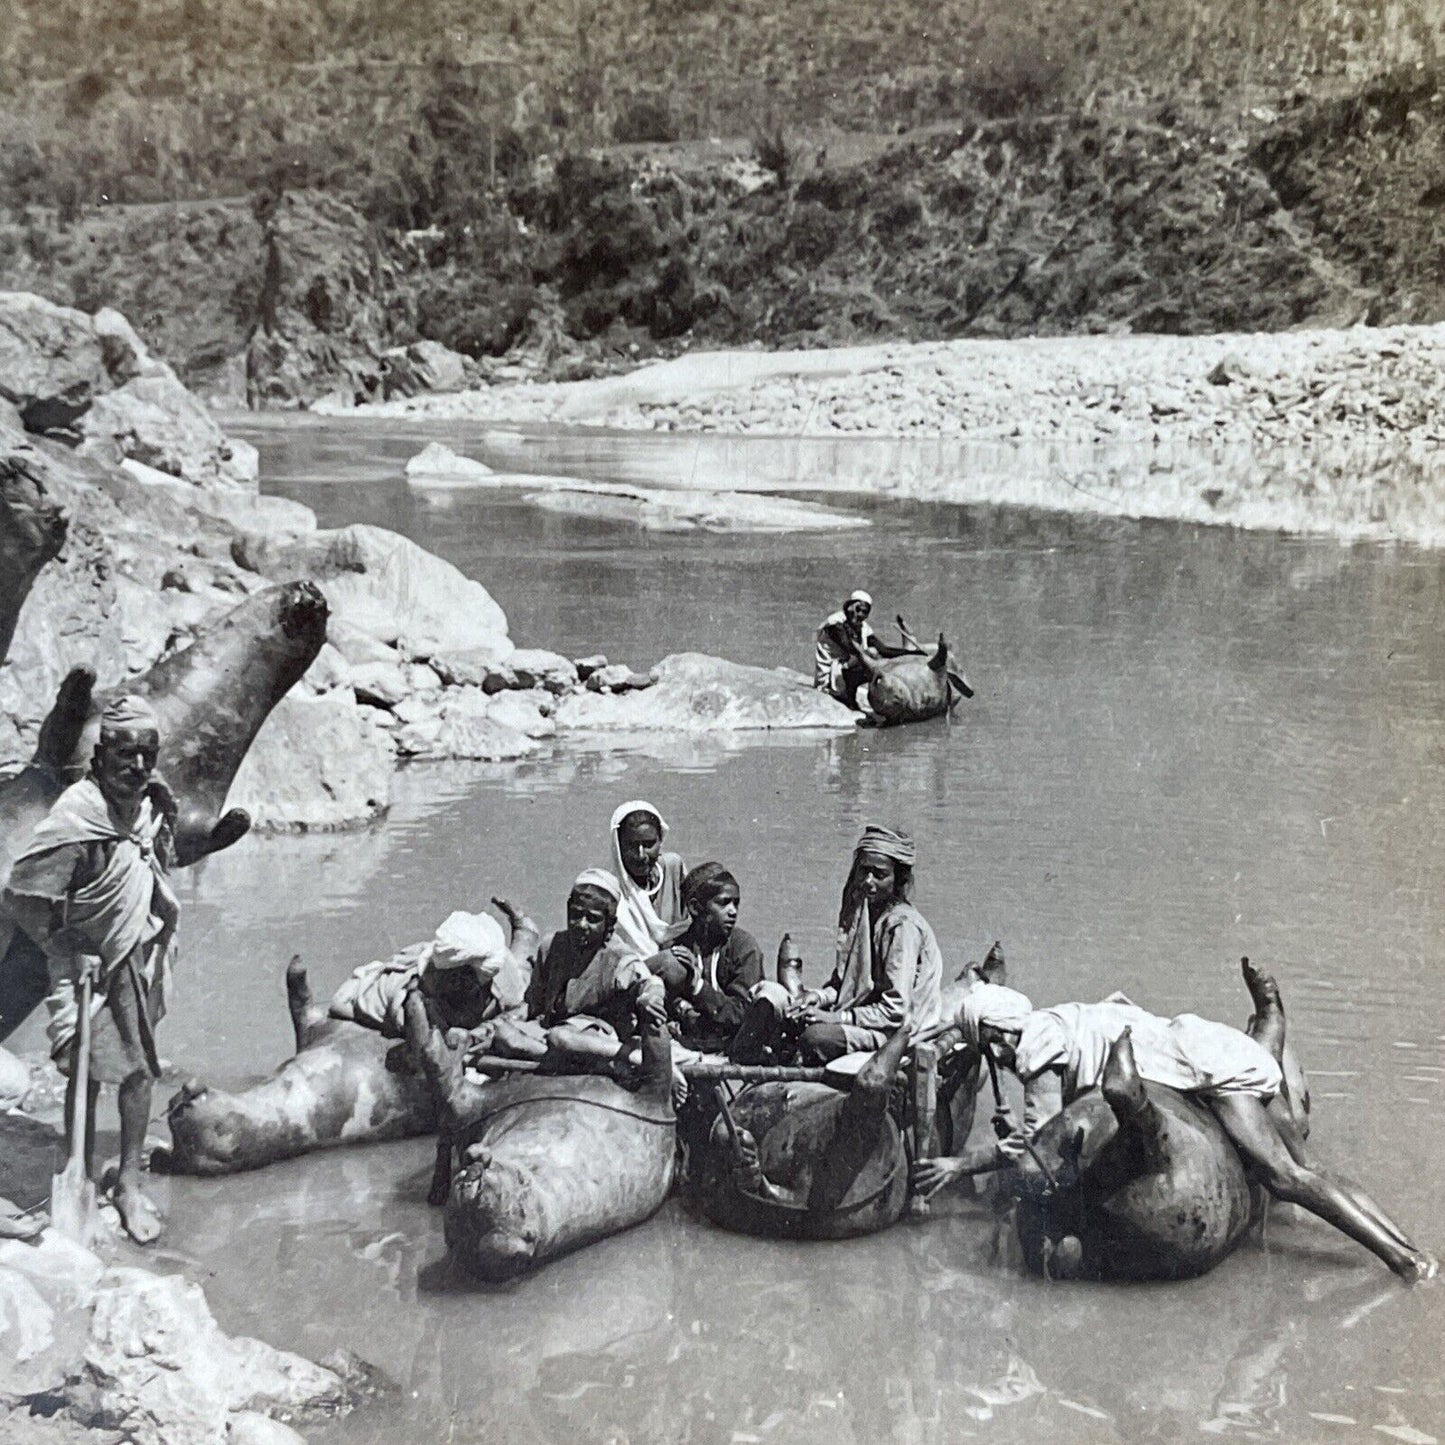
[[923, 1079]]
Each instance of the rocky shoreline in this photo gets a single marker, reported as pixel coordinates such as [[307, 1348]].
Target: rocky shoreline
[[1335, 432], [165, 531], [168, 530]]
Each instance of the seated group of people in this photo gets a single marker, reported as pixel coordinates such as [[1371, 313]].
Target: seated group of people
[[654, 928], [653, 925]]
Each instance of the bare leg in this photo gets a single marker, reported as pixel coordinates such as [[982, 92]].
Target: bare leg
[[137, 1213], [1267, 1026], [1254, 1134]]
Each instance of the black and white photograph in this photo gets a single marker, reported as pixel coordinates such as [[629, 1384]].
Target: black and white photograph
[[722, 722]]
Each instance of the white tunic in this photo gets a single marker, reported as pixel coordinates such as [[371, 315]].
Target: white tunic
[[1188, 1053]]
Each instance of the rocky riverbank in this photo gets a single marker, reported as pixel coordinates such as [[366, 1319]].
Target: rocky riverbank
[[164, 531], [92, 1347], [1331, 431], [168, 530]]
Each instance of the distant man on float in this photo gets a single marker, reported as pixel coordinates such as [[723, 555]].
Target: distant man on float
[[90, 889], [843, 635]]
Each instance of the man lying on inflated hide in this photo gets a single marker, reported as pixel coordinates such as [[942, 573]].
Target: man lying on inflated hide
[[466, 973]]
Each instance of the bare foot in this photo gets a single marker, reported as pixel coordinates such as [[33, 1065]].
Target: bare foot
[[1267, 1028], [137, 1213]]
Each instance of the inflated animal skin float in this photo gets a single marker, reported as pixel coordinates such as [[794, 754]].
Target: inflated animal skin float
[[211, 699], [32, 532], [345, 1084], [550, 1162], [808, 1161], [1135, 1181], [915, 687]]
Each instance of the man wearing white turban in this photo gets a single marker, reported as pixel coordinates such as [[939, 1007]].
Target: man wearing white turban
[[90, 889], [841, 637], [1061, 1052], [466, 972]]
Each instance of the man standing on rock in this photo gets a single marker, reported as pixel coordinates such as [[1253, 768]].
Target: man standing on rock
[[843, 635], [90, 889]]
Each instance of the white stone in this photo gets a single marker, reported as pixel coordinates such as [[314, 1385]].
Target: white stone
[[436, 466], [519, 710], [383, 684], [317, 763], [536, 667]]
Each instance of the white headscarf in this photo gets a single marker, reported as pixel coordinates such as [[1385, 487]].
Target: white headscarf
[[639, 929], [991, 1005]]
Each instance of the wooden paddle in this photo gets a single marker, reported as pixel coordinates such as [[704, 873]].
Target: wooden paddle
[[72, 1192]]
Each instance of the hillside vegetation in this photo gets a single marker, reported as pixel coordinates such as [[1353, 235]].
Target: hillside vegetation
[[576, 185]]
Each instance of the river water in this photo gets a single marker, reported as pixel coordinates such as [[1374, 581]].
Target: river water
[[1186, 744]]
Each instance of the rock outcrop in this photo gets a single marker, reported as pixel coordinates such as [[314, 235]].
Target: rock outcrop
[[697, 693], [323, 315], [385, 586], [107, 1347]]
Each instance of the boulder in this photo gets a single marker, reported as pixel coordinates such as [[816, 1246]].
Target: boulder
[[436, 466], [474, 668], [329, 671], [154, 420], [357, 647], [251, 1428], [536, 667], [125, 355], [618, 677], [423, 366], [384, 585], [52, 366], [382, 684], [71, 618], [14, 1081], [523, 712], [460, 731], [172, 1374], [45, 1290], [421, 678], [317, 764], [246, 510], [697, 693]]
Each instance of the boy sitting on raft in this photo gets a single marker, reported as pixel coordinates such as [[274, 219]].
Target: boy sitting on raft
[[466, 974], [709, 966], [583, 975]]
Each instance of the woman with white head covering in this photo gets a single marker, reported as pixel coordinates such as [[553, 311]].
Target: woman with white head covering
[[1061, 1052], [649, 878]]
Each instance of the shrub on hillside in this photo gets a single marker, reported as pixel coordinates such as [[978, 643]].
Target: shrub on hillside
[[644, 121]]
